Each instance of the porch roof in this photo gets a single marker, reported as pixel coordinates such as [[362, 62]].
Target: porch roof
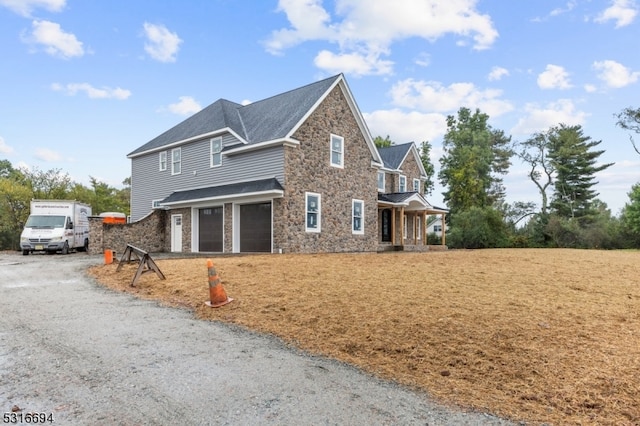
[[234, 190], [410, 201]]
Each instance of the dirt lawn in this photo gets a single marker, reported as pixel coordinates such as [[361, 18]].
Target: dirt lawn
[[543, 336]]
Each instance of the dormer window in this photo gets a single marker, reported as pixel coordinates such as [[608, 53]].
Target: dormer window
[[416, 185], [402, 184], [337, 151]]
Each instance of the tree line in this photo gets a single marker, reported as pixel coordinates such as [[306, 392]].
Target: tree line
[[562, 163], [18, 186]]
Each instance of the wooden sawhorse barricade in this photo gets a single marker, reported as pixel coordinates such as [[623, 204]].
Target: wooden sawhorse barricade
[[146, 263]]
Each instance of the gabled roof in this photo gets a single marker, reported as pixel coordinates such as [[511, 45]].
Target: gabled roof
[[394, 156], [222, 191], [409, 200], [274, 118]]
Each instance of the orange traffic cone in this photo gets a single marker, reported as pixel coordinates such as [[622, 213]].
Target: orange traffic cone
[[216, 291]]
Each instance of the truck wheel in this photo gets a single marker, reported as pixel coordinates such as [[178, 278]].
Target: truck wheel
[[25, 252], [65, 248]]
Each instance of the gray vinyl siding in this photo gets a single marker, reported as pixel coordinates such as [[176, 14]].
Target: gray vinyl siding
[[148, 183]]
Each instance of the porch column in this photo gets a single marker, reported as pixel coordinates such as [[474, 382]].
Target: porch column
[[402, 226], [393, 226], [444, 231], [415, 231], [423, 227]]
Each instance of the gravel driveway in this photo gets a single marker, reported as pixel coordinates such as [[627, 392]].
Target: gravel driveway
[[90, 356]]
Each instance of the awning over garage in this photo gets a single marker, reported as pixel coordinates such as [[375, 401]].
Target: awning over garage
[[264, 187]]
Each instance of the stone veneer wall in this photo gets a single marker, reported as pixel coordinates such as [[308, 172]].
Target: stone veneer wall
[[227, 239], [148, 234], [307, 169]]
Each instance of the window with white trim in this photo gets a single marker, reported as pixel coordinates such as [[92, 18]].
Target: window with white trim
[[437, 228], [162, 157], [337, 151], [312, 212], [155, 204], [176, 161], [416, 185], [419, 226], [216, 152], [357, 216], [405, 227], [381, 181], [402, 183]]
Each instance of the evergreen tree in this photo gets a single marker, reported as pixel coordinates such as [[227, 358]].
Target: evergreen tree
[[576, 164]]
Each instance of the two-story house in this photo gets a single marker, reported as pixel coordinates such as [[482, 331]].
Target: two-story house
[[292, 173]]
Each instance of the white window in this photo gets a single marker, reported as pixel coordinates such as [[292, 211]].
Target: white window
[[437, 228], [419, 227], [312, 212], [163, 161], [357, 216], [337, 151], [176, 161], [216, 152], [416, 185], [381, 181], [405, 227], [402, 184], [155, 204]]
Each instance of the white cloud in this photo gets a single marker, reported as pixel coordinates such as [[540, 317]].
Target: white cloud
[[540, 118], [623, 12], [185, 106], [4, 148], [615, 74], [162, 45], [25, 7], [47, 155], [364, 31], [497, 73], [92, 92], [352, 63], [554, 77], [406, 127], [433, 96], [56, 42]]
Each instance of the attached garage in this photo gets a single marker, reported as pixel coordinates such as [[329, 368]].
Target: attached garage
[[255, 227], [210, 229]]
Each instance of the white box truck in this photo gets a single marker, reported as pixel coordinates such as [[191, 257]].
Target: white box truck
[[56, 225]]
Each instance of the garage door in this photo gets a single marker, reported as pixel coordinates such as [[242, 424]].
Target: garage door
[[210, 229], [255, 227]]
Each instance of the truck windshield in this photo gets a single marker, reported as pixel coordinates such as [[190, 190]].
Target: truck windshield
[[45, 222]]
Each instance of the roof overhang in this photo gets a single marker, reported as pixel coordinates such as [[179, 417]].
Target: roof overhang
[[235, 192], [410, 201], [261, 145]]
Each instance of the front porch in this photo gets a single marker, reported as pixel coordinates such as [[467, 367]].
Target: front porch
[[403, 222]]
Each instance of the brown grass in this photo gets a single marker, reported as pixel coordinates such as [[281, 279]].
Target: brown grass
[[531, 335]]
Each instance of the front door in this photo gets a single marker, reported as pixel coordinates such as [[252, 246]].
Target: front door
[[210, 229], [386, 225], [176, 233]]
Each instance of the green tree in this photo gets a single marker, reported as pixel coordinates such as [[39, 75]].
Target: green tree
[[576, 163], [629, 119], [535, 152], [475, 155], [382, 143], [631, 211], [49, 185], [14, 210], [478, 227], [425, 157]]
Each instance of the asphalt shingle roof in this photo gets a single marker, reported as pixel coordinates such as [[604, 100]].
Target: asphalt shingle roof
[[261, 121], [393, 155], [262, 185]]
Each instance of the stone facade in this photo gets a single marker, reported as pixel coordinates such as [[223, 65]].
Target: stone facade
[[308, 169], [147, 234]]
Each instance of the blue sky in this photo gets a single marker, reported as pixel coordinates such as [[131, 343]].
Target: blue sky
[[83, 83]]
